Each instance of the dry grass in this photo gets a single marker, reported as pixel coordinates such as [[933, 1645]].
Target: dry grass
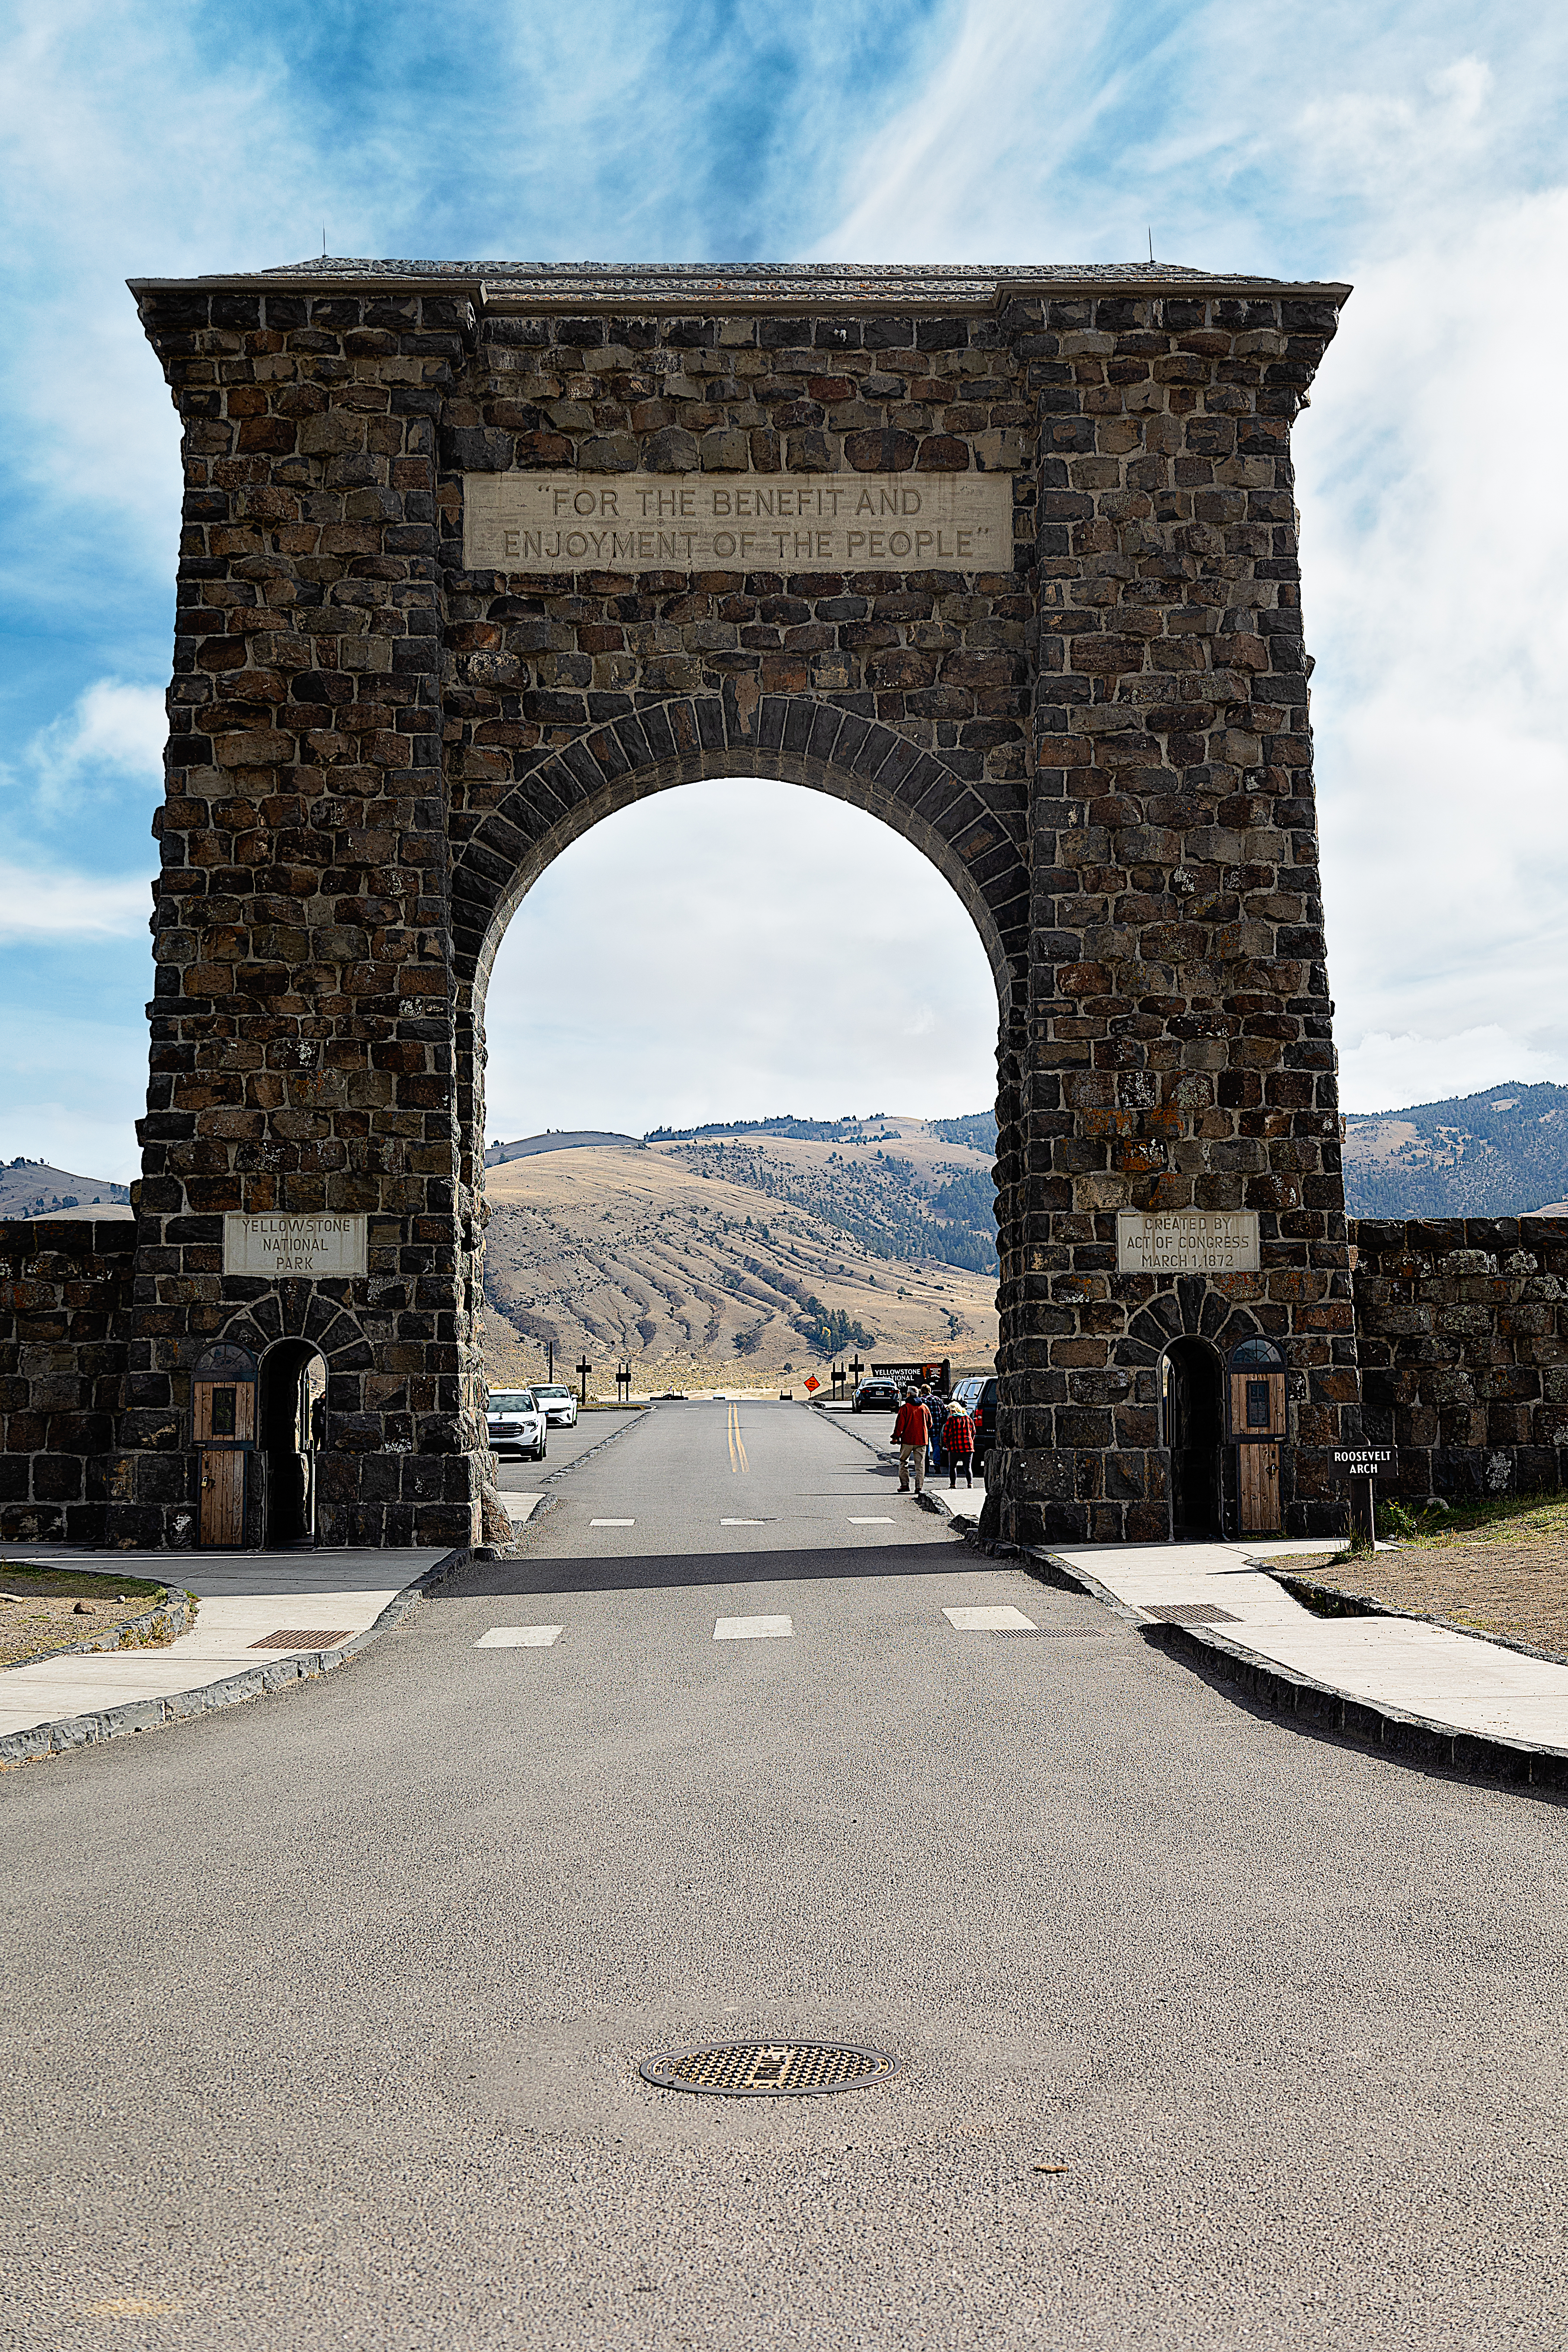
[[1494, 1567], [40, 1617]]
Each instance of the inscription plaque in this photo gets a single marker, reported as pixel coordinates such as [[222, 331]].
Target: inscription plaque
[[1186, 1241], [317, 1247], [737, 522]]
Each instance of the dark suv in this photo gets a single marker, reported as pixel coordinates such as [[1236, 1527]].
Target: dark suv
[[978, 1397]]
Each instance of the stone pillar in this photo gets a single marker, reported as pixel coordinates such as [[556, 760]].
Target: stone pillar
[[1180, 1051], [302, 1024]]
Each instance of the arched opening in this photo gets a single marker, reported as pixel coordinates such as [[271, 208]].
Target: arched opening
[[970, 833], [1192, 1429], [292, 1417]]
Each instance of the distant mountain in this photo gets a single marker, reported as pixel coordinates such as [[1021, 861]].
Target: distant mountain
[[565, 1138], [32, 1188], [1497, 1154]]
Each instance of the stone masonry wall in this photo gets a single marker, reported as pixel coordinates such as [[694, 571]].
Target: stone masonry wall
[[301, 1029], [1180, 1050], [373, 753], [65, 1296], [1463, 1327]]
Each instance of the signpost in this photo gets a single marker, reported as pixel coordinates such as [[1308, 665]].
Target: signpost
[[855, 1369], [1361, 1467], [838, 1380], [623, 1383], [584, 1369], [550, 1362], [812, 1384]]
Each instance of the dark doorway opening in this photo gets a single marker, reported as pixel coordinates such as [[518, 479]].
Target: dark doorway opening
[[293, 1429], [1194, 1429]]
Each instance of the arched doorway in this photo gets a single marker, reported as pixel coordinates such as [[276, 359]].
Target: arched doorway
[[292, 1417], [1192, 1428]]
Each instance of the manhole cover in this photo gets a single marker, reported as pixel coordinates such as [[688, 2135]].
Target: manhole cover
[[769, 2070]]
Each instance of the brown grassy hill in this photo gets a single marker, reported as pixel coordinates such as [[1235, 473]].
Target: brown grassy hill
[[715, 1262]]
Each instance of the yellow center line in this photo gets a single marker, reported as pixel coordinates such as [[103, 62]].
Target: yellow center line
[[737, 1444]]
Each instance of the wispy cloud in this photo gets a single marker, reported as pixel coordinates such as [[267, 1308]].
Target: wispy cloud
[[59, 906], [110, 737]]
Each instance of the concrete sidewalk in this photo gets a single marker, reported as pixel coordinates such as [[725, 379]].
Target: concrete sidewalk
[[1402, 1671], [265, 1617]]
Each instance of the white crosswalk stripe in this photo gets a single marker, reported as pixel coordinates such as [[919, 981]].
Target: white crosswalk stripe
[[752, 1629], [990, 1621], [519, 1637]]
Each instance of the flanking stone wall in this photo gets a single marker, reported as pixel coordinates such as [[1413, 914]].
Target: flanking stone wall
[[65, 1297], [1463, 1329]]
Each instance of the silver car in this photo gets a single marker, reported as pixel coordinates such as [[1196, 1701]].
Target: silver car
[[516, 1423], [560, 1406]]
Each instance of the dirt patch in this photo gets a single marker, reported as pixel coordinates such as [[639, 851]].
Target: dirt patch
[[1492, 1569], [41, 1616]]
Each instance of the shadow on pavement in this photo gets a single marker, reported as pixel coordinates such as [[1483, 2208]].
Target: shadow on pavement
[[652, 1574]]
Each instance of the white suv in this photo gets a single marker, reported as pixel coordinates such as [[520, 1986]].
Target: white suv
[[516, 1423], [560, 1406]]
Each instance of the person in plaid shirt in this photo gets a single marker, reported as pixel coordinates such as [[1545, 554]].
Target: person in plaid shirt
[[958, 1443], [911, 1436]]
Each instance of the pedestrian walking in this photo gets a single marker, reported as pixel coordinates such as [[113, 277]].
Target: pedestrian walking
[[911, 1436], [958, 1443]]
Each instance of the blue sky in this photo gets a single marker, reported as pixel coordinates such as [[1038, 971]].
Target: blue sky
[[1417, 150]]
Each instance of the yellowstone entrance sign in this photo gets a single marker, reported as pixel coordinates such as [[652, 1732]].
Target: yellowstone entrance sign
[[473, 557]]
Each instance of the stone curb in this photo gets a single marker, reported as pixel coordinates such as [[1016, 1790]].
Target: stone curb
[[1316, 1707], [166, 1618], [41, 1739]]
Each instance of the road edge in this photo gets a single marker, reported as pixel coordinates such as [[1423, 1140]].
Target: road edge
[[70, 1733], [1317, 1708]]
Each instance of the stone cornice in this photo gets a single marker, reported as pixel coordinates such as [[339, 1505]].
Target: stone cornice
[[534, 287]]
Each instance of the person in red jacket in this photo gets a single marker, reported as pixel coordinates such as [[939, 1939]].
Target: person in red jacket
[[958, 1443], [911, 1436]]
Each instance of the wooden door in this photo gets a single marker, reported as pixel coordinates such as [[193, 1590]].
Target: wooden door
[[223, 1413], [223, 1498], [1260, 1467], [1258, 1404]]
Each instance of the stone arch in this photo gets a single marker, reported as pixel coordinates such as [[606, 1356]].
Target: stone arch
[[793, 738], [310, 1315]]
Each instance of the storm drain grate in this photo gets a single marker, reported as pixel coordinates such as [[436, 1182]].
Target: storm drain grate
[[769, 2070], [303, 1637], [1190, 1613]]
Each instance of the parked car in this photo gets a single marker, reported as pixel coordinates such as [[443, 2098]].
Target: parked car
[[516, 1422], [560, 1405], [874, 1394], [977, 1394]]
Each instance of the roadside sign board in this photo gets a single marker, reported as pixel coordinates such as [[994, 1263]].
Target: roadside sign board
[[812, 1384], [1363, 1460]]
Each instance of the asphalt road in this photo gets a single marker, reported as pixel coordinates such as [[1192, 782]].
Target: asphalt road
[[325, 2012]]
